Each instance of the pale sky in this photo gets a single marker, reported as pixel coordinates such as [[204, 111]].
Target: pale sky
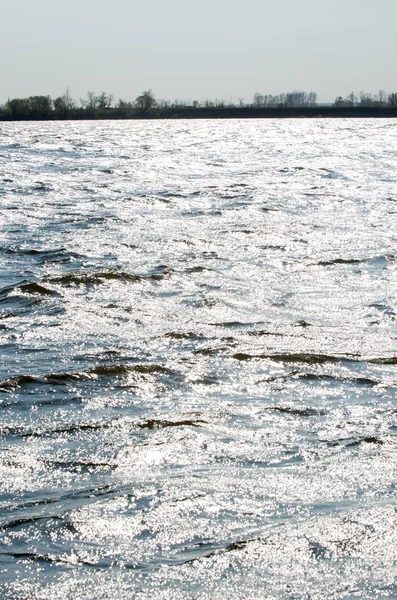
[[226, 49]]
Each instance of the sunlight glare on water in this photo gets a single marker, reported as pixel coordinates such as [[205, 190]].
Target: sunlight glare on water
[[198, 376]]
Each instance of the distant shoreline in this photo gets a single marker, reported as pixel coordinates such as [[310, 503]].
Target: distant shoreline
[[315, 112]]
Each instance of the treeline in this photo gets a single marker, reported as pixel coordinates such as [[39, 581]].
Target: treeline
[[290, 100], [380, 100], [103, 105]]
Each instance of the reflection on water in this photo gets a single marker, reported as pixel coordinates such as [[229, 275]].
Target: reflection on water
[[198, 376]]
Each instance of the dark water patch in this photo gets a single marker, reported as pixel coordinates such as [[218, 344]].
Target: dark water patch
[[161, 424], [300, 412], [71, 429], [340, 261], [268, 209], [43, 400], [208, 351], [33, 288], [7, 316], [325, 377], [16, 523], [302, 323], [36, 288], [188, 498], [388, 360], [196, 269], [107, 370], [122, 370], [13, 383], [189, 335], [20, 250], [207, 550], [264, 332], [377, 441], [366, 440], [100, 277], [303, 358], [87, 495], [81, 467], [30, 556]]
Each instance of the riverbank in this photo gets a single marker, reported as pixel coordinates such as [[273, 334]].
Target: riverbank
[[326, 112]]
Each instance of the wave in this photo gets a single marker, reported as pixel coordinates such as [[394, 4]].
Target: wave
[[98, 277], [302, 358], [108, 370], [355, 261], [161, 424], [189, 335], [340, 261], [324, 377], [93, 427], [28, 288], [388, 360], [117, 369], [301, 412]]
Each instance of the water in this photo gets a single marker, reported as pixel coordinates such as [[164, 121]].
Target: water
[[198, 375]]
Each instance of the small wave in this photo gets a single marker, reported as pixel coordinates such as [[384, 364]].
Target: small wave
[[301, 412], [28, 288], [13, 383], [340, 261], [117, 369], [197, 269], [7, 316], [99, 277], [303, 358], [264, 332], [324, 377], [31, 556], [388, 360], [161, 424], [189, 335], [302, 323], [108, 370], [70, 429], [366, 440]]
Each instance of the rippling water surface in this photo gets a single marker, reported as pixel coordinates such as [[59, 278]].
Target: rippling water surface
[[198, 376]]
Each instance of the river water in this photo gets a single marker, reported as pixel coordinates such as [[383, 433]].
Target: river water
[[198, 359]]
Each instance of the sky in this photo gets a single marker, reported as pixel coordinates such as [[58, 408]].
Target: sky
[[225, 49]]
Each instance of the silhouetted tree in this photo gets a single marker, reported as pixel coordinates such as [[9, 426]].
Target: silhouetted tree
[[65, 106], [90, 104], [392, 100], [34, 106], [146, 101], [104, 100], [40, 106]]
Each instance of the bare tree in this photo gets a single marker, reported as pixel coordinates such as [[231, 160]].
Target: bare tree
[[392, 100], [65, 105], [104, 100], [146, 101]]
